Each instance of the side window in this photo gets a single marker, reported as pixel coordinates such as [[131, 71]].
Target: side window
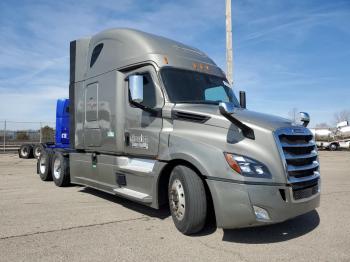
[[95, 53], [217, 93]]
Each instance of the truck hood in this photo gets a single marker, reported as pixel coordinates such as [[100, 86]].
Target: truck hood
[[250, 118]]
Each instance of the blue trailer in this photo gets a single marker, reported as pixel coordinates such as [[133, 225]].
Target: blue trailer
[[61, 133]]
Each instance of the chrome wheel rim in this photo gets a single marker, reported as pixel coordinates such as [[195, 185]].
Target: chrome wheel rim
[[177, 199], [57, 168], [37, 151], [24, 151], [42, 164]]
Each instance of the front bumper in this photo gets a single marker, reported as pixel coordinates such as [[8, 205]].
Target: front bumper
[[233, 203]]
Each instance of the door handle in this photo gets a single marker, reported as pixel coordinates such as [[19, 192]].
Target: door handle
[[94, 159], [127, 138]]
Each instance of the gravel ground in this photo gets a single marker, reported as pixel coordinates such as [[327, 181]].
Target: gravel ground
[[41, 222]]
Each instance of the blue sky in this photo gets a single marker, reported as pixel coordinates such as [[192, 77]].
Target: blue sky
[[286, 53]]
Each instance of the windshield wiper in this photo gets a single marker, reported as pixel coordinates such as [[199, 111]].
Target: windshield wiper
[[198, 102]]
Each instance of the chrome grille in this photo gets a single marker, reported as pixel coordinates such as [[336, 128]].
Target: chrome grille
[[299, 154]]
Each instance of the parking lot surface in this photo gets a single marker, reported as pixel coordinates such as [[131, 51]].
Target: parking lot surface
[[41, 222]]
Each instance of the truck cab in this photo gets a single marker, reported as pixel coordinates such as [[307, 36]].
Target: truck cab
[[155, 121]]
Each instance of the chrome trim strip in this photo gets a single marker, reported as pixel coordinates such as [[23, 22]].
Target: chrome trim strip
[[294, 180], [289, 156], [292, 168], [309, 144]]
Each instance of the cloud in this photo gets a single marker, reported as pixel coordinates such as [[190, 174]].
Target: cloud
[[281, 48]]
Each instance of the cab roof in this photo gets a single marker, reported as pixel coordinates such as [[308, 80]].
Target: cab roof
[[123, 47]]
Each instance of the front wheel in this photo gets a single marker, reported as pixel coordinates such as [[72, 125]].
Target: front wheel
[[187, 200]]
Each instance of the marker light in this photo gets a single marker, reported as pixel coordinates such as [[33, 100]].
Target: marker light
[[247, 166], [232, 163], [165, 60]]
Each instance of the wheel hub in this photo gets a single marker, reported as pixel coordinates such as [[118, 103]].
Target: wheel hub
[[24, 152], [37, 151], [177, 199], [42, 164], [57, 168]]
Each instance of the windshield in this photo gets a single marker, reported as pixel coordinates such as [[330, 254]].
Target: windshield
[[185, 86]]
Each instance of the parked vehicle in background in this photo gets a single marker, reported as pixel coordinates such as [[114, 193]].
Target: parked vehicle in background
[[32, 150], [332, 138], [155, 121]]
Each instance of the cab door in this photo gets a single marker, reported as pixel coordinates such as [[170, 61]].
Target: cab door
[[142, 127]]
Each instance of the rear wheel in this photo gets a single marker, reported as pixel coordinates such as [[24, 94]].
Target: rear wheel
[[25, 151], [60, 170], [37, 151], [44, 167], [187, 200]]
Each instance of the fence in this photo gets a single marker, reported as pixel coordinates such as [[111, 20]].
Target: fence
[[13, 134]]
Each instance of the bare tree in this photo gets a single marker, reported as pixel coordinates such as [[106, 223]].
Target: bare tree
[[343, 115], [48, 134], [293, 114]]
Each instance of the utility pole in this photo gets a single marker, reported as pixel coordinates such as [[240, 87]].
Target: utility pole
[[41, 134], [5, 136], [229, 62]]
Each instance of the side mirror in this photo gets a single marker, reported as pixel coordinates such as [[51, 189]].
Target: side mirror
[[226, 108], [305, 118], [242, 99], [136, 88]]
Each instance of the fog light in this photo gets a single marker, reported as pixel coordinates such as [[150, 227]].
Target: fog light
[[261, 214]]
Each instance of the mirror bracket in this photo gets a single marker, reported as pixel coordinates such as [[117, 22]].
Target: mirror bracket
[[227, 110]]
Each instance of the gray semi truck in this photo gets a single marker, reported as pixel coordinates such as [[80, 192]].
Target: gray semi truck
[[155, 121]]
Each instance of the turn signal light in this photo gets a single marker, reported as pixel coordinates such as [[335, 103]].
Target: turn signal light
[[165, 60], [232, 163]]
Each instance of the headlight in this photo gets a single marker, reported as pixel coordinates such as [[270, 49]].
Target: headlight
[[247, 166]]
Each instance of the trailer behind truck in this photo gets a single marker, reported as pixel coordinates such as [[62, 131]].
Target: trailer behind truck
[[155, 121]]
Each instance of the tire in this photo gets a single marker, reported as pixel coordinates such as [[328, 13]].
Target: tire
[[37, 151], [333, 147], [44, 164], [60, 170], [25, 151], [187, 200]]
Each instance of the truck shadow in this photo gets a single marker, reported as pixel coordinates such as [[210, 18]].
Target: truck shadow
[[284, 231], [274, 233], [161, 213]]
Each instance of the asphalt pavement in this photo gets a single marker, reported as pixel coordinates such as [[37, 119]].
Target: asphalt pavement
[[41, 222]]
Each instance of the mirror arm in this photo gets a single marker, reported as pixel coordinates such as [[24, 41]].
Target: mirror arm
[[153, 111], [246, 130]]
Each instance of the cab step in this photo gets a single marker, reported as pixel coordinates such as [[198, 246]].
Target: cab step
[[133, 195]]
